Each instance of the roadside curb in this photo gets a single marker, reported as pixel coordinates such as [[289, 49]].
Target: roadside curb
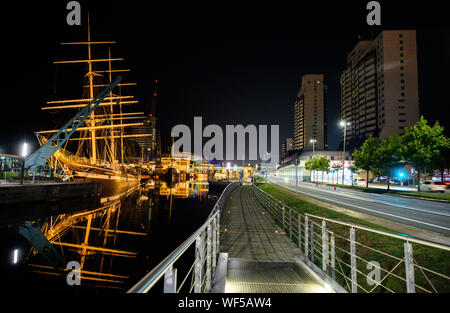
[[384, 193], [392, 225]]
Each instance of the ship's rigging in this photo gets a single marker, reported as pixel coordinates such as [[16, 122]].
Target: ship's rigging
[[104, 139]]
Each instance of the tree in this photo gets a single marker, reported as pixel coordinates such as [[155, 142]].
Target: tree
[[366, 158], [422, 145], [310, 165], [323, 165], [389, 153], [315, 164]]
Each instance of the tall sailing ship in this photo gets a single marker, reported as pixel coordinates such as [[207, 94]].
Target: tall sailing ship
[[104, 149]]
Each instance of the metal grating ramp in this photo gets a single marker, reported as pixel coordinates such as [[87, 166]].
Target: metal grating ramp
[[261, 257], [246, 276]]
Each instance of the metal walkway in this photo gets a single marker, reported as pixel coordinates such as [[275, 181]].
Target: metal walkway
[[257, 256], [261, 257]]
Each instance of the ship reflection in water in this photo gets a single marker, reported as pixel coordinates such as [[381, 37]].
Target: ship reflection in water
[[119, 242]]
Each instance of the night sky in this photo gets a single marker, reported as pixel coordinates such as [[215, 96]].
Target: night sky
[[230, 63]]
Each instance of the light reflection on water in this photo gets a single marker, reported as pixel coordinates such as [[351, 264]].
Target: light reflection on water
[[117, 242]]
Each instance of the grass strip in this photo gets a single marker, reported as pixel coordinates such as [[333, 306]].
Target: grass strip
[[425, 256], [428, 195]]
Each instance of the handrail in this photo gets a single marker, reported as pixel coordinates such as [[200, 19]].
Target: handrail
[[332, 251], [149, 280], [234, 184], [386, 233], [367, 228]]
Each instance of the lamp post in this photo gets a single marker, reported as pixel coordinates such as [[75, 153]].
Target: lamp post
[[344, 124], [24, 154]]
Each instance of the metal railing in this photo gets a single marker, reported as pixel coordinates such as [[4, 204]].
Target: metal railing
[[374, 261], [202, 271]]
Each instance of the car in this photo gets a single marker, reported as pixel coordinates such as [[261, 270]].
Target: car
[[433, 186], [362, 182]]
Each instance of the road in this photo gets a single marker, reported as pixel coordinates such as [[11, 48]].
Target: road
[[392, 187], [429, 215]]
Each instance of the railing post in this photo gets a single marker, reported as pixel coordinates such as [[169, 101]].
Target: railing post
[[311, 239], [325, 254], [198, 265], [283, 220], [409, 268], [306, 237], [170, 280], [217, 232], [332, 256], [353, 260], [290, 223], [214, 243], [208, 257], [299, 217]]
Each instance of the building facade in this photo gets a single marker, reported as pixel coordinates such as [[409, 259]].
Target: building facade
[[310, 116], [379, 87], [286, 148], [293, 169], [147, 140]]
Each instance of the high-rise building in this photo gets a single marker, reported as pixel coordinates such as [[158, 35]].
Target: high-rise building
[[146, 141], [310, 115], [379, 87], [286, 148]]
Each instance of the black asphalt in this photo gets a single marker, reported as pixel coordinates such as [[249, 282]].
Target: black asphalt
[[425, 214]]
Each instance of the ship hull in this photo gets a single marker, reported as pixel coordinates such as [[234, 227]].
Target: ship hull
[[111, 184]]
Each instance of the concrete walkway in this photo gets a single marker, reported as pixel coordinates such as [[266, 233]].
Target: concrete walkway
[[261, 257]]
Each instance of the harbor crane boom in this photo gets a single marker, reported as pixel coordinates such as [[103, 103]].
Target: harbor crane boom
[[40, 156]]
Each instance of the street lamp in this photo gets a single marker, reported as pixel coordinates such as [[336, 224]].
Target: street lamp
[[24, 154], [344, 124], [313, 141]]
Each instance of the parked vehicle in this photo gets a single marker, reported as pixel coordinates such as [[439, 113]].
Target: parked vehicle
[[381, 179], [394, 182], [362, 182], [433, 186]]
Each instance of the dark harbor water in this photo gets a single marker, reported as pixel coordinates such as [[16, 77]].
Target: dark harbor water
[[126, 239]]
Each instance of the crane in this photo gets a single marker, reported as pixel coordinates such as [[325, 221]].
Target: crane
[[40, 156]]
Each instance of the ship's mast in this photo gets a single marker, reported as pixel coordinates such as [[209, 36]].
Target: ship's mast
[[90, 74], [110, 131], [121, 132], [113, 147], [153, 122]]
